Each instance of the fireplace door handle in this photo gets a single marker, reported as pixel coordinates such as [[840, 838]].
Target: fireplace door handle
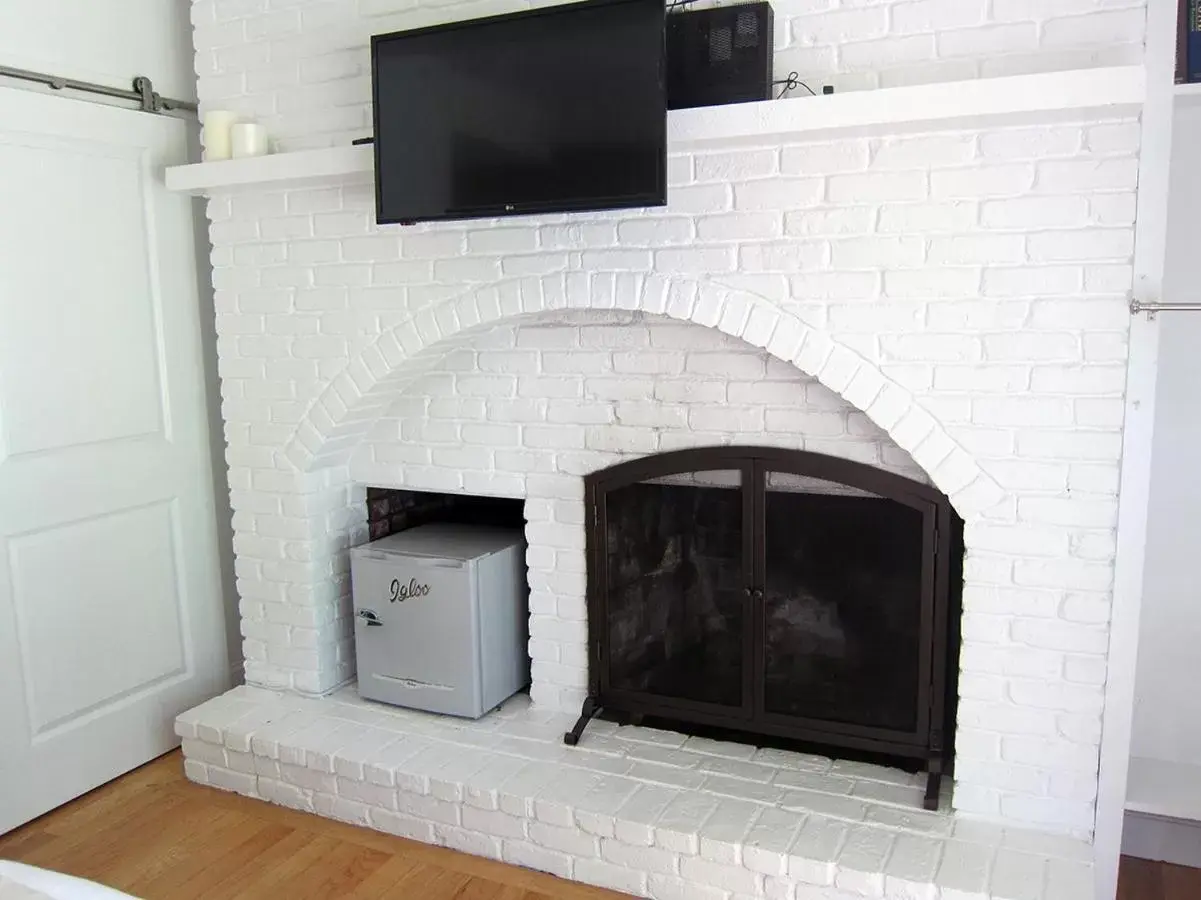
[[755, 594]]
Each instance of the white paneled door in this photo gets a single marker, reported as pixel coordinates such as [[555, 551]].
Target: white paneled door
[[111, 615]]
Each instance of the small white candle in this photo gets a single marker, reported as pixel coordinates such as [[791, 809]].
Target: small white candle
[[217, 126], [248, 139]]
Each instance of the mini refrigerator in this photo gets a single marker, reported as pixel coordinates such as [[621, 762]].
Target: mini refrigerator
[[441, 618]]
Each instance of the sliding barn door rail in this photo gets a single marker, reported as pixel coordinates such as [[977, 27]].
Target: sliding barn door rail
[[142, 92]]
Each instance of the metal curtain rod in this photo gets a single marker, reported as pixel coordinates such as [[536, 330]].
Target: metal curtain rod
[[1137, 306], [143, 92]]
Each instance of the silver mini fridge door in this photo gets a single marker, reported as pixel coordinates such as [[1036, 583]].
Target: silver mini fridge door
[[417, 632]]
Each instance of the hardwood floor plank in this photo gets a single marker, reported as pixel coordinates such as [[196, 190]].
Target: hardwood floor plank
[[25, 841], [1180, 883], [429, 881], [254, 871], [1132, 882], [383, 879], [119, 799], [73, 844], [164, 842], [491, 890], [508, 892], [240, 859], [191, 860], [85, 850], [337, 875], [269, 883]]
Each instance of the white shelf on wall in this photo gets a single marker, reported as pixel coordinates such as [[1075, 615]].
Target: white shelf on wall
[[1157, 787], [1188, 94], [327, 165], [1116, 91]]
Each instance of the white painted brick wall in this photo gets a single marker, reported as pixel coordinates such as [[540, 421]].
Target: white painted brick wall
[[718, 391], [979, 321], [302, 66], [964, 289]]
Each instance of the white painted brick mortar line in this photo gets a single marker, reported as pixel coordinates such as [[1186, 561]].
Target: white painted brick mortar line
[[505, 788]]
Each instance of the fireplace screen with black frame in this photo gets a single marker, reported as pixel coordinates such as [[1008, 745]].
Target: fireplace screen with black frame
[[674, 578], [773, 592]]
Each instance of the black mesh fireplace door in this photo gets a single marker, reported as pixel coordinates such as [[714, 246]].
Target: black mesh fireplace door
[[773, 592]]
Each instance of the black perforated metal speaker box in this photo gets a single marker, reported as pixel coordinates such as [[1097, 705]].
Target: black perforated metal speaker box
[[721, 55]]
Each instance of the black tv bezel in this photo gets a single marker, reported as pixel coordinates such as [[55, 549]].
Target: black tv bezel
[[657, 197]]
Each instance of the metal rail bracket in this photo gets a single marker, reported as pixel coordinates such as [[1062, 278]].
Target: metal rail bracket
[[142, 92], [1153, 309]]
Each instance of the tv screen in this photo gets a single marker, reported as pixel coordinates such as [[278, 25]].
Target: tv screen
[[551, 110]]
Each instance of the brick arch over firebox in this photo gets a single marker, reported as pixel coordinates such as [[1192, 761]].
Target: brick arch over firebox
[[342, 416]]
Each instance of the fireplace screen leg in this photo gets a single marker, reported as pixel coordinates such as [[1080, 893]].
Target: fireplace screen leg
[[589, 710], [933, 784]]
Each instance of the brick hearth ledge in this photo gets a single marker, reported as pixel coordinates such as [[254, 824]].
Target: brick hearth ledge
[[648, 812]]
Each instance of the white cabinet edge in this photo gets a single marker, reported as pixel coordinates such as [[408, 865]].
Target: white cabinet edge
[[1108, 91]]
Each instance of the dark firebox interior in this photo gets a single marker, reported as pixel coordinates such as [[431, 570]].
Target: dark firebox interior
[[843, 604], [391, 511], [842, 600], [675, 575]]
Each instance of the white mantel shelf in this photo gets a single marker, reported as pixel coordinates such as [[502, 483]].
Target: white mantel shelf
[[1118, 90]]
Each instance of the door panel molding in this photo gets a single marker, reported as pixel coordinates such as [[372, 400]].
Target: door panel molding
[[118, 481]]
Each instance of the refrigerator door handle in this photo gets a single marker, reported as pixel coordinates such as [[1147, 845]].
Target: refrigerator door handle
[[370, 617]]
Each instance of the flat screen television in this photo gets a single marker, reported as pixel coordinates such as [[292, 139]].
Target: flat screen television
[[557, 109]]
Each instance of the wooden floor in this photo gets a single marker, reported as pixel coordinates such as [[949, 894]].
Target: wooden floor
[[1144, 880], [156, 836]]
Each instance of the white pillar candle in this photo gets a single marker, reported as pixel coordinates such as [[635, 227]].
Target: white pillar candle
[[248, 139], [217, 126]]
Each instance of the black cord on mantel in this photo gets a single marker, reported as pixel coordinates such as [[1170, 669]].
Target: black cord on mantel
[[792, 82]]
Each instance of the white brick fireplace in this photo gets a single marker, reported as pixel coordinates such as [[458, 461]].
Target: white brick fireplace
[[948, 302]]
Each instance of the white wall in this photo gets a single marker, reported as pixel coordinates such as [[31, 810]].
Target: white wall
[[1167, 719], [108, 41]]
